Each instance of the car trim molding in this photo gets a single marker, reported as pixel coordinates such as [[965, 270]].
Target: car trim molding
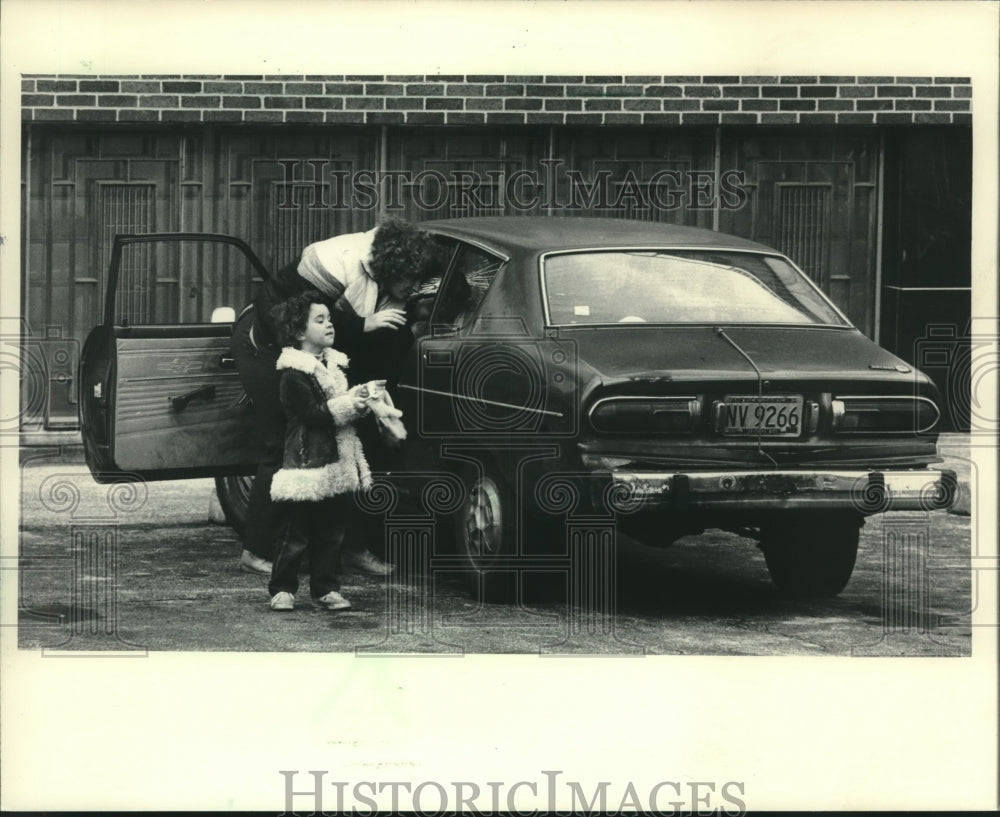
[[487, 248]]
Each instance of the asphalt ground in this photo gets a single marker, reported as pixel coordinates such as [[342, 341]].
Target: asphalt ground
[[140, 568]]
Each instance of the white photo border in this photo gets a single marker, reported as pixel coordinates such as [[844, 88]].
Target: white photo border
[[192, 731]]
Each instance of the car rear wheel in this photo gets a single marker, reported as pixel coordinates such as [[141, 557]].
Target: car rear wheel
[[234, 498], [811, 555]]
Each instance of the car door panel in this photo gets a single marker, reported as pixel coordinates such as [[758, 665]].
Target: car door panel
[[161, 400], [176, 407]]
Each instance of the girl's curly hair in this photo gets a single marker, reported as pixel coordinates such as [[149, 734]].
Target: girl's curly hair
[[290, 317], [403, 252]]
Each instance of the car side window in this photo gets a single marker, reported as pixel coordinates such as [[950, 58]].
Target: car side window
[[465, 286], [185, 281], [420, 305]]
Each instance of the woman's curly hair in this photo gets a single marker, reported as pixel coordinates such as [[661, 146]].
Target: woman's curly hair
[[403, 252], [290, 317]]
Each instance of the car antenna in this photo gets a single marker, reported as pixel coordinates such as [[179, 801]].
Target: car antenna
[[721, 332]]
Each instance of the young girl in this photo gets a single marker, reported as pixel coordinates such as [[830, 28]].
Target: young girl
[[364, 277], [323, 459]]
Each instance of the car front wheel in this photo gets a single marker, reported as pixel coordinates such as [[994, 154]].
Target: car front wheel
[[811, 555], [234, 497]]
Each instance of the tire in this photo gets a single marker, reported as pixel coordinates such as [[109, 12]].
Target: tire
[[811, 556], [485, 536], [234, 497]]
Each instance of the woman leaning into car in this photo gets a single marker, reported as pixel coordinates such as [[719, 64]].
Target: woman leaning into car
[[366, 279]]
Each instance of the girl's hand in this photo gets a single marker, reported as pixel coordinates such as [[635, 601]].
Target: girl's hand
[[359, 399], [390, 318]]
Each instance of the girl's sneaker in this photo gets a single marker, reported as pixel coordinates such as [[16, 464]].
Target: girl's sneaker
[[282, 602], [333, 601]]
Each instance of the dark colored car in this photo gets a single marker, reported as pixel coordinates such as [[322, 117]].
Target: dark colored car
[[565, 372]]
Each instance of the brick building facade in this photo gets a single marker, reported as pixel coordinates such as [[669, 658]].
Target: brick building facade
[[496, 99], [864, 180]]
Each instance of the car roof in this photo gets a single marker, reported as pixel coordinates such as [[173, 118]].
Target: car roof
[[544, 233]]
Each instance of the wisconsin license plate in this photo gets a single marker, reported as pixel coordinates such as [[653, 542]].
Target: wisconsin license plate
[[773, 415]]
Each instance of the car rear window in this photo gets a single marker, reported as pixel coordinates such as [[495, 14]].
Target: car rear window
[[646, 286]]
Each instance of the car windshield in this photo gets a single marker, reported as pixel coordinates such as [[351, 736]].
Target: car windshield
[[648, 286]]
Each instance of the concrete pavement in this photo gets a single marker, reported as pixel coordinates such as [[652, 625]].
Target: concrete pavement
[[137, 567]]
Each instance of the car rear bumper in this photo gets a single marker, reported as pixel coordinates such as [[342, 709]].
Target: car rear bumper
[[867, 492]]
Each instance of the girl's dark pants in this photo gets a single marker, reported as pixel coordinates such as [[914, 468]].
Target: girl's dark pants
[[316, 528]]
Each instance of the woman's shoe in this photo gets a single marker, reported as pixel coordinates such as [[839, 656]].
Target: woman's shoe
[[333, 601], [254, 564], [367, 562]]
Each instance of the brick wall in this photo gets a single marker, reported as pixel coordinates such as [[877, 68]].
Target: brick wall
[[496, 99]]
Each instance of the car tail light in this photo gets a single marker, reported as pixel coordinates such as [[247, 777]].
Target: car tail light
[[645, 414], [861, 414]]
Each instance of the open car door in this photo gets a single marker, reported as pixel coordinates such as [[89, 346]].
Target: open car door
[[160, 397]]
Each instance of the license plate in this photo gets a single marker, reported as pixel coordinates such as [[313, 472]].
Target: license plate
[[773, 415]]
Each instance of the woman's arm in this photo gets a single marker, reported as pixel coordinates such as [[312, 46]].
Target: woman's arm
[[353, 331], [348, 327]]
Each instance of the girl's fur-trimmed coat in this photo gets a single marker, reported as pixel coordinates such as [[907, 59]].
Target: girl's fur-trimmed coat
[[313, 471]]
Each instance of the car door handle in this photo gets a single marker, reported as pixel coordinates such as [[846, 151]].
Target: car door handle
[[181, 403], [438, 357], [227, 362]]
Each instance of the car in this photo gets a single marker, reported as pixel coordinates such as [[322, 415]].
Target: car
[[567, 374]]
